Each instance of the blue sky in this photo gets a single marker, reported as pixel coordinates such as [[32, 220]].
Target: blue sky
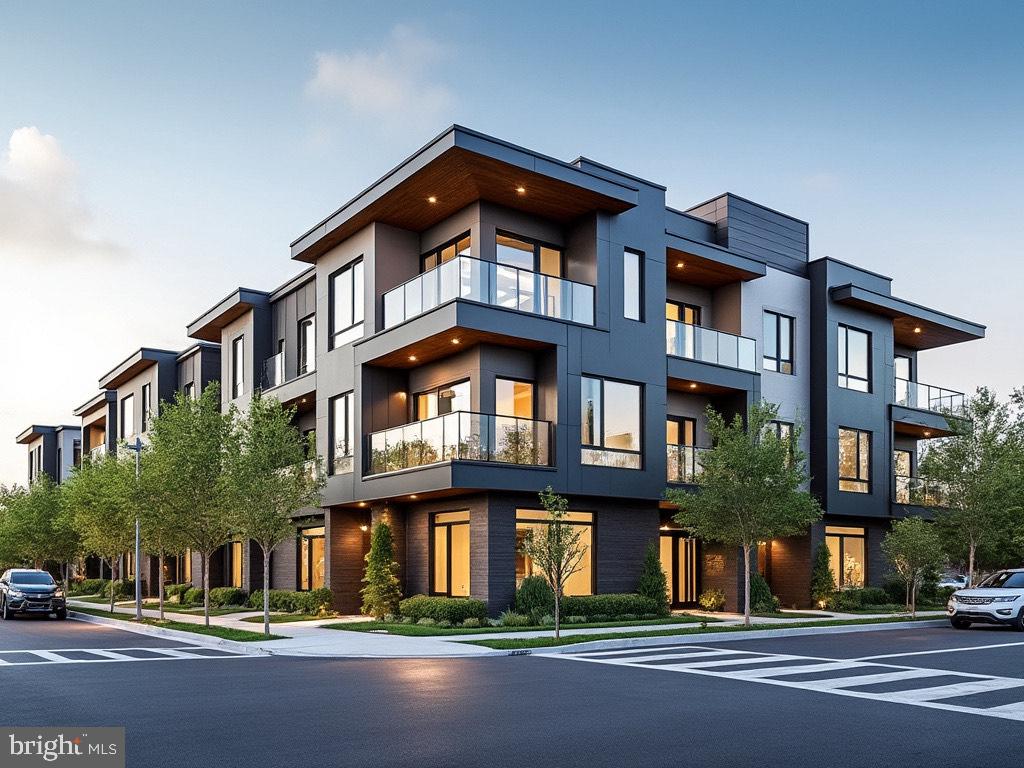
[[145, 144]]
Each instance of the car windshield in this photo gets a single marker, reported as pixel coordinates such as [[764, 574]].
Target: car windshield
[[1004, 580], [32, 578]]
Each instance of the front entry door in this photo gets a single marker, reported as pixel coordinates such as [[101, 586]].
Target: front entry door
[[680, 563]]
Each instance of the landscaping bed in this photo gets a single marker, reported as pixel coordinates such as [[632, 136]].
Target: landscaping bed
[[417, 630], [225, 633]]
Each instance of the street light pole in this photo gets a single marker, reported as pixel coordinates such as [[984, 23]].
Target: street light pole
[[137, 447]]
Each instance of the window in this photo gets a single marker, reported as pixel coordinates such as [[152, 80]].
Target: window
[[854, 359], [127, 417], [445, 399], [581, 582], [346, 295], [189, 391], [902, 462], [311, 558], [680, 431], [342, 432], [683, 313], [783, 430], [76, 453], [846, 546], [513, 398], [459, 246], [527, 254], [307, 345], [854, 460], [682, 455], [903, 368], [237, 365], [234, 553], [147, 405], [778, 342], [632, 285], [450, 553], [610, 419]]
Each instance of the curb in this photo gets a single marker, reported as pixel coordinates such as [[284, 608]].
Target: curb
[[726, 637], [193, 638]]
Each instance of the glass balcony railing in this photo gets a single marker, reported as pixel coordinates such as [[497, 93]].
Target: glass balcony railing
[[920, 492], [461, 436], [709, 346], [914, 394], [488, 282], [97, 453], [684, 463], [273, 371]]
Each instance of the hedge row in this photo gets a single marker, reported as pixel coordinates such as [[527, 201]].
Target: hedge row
[[89, 587], [313, 603], [452, 609], [612, 605]]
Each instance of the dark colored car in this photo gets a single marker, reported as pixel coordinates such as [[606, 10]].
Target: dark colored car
[[24, 590]]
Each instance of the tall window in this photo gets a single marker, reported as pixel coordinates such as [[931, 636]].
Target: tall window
[[444, 399], [237, 367], [902, 461], [341, 431], [528, 254], [127, 417], [581, 582], [778, 342], [450, 554], [854, 359], [610, 419], [346, 294], [311, 558], [459, 246], [76, 453], [235, 563], [513, 398], [307, 345], [632, 285], [683, 458], [846, 547], [902, 369], [147, 405], [854, 460], [683, 313], [189, 391]]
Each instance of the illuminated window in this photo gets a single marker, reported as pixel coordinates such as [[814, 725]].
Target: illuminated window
[[530, 255], [854, 460], [235, 564], [445, 399], [237, 367], [581, 582], [127, 417], [459, 246], [846, 546], [513, 398], [683, 313], [307, 345], [854, 359], [312, 561], [450, 571]]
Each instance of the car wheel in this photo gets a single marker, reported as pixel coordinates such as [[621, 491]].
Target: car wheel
[[62, 614], [960, 623], [1018, 623]]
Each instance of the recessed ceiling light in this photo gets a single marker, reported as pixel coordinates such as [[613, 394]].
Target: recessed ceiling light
[[693, 385], [917, 329], [431, 199], [364, 528], [456, 341], [679, 265], [521, 190], [412, 358], [413, 496], [362, 503], [927, 434]]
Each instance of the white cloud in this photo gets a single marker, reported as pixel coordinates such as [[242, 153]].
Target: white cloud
[[41, 213], [395, 84]]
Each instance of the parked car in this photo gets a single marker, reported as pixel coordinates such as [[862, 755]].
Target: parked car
[[954, 580], [26, 590], [999, 599]]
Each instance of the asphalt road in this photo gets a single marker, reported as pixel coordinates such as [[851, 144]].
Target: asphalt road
[[517, 711]]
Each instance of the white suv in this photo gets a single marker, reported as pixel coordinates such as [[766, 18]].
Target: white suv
[[999, 599]]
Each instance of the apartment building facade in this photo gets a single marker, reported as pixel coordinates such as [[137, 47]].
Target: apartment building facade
[[486, 321]]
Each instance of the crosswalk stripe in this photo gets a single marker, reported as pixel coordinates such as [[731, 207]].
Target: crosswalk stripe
[[665, 656], [835, 666], [112, 655], [883, 677], [958, 689], [705, 664]]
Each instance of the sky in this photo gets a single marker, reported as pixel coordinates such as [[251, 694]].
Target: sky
[[155, 156]]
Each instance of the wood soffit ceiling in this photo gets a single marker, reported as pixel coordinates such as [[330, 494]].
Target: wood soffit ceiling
[[696, 270], [441, 345]]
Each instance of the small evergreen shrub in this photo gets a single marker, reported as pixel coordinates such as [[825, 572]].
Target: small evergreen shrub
[[598, 618], [761, 598], [895, 589], [313, 602], [453, 609], [534, 594], [712, 600], [123, 590], [176, 590], [382, 591], [873, 596], [823, 583], [653, 583], [472, 623], [628, 617], [649, 616], [547, 620], [192, 596], [223, 596], [513, 619], [90, 587], [444, 624]]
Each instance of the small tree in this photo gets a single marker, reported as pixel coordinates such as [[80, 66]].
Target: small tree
[[823, 581], [269, 479], [751, 487], [383, 590], [162, 520], [914, 549], [556, 549], [653, 582]]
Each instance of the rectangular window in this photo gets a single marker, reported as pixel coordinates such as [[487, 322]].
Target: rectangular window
[[854, 359], [445, 399], [854, 460], [632, 285], [610, 418], [680, 431], [235, 563], [346, 296], [459, 246], [342, 433], [147, 405], [186, 567], [902, 366], [127, 417], [513, 398], [311, 558], [237, 367], [189, 391], [846, 545], [682, 313], [76, 453], [778, 342], [527, 254], [581, 582], [307, 345], [450, 554]]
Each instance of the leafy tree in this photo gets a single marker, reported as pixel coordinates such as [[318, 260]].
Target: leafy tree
[[653, 582], [823, 581], [556, 549], [10, 549], [914, 549], [383, 591], [751, 487], [269, 479]]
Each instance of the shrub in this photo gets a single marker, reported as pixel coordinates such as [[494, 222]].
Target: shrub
[[873, 596], [761, 598], [895, 589], [653, 583], [453, 609], [823, 583], [383, 591], [854, 599], [472, 623], [90, 587], [575, 619], [649, 616], [547, 620], [192, 596], [942, 594], [314, 602], [444, 624], [426, 621], [176, 590], [534, 594], [613, 605], [627, 617], [123, 590], [712, 600], [598, 618], [513, 619], [222, 596]]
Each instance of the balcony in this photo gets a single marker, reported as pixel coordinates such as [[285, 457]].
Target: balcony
[[461, 436], [97, 453], [920, 492], [488, 282], [924, 397], [273, 371], [706, 345], [684, 463]]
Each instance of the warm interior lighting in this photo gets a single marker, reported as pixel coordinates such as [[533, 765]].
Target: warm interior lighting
[[412, 358], [663, 528], [917, 329], [521, 190], [456, 341], [431, 199]]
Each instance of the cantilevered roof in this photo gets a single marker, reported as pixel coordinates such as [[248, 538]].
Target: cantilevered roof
[[914, 326], [209, 325], [34, 432], [709, 265], [457, 168], [198, 346], [90, 405], [136, 362]]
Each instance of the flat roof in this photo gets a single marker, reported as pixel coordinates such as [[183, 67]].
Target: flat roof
[[209, 324], [135, 363], [199, 345], [34, 432], [95, 401], [309, 273]]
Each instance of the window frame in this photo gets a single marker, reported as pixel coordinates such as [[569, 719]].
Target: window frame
[[640, 269], [777, 360], [537, 245], [238, 366], [867, 482], [188, 391], [432, 552], [128, 399], [863, 536], [516, 380], [332, 431], [436, 252], [843, 362], [682, 421], [300, 564], [337, 337], [436, 391], [682, 306], [533, 515], [147, 406], [603, 421], [307, 365]]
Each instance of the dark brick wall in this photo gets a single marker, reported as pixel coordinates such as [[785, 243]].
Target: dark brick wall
[[789, 570], [722, 568], [623, 533], [347, 545], [284, 564]]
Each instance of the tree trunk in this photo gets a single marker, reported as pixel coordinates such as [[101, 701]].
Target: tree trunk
[[746, 585], [913, 598], [67, 572], [906, 601], [266, 592], [206, 591], [160, 581], [111, 586], [970, 563], [558, 609]]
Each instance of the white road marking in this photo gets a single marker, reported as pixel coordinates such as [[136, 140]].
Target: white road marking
[[113, 655], [959, 689], [943, 650], [883, 677]]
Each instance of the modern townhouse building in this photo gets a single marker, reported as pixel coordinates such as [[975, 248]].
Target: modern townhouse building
[[53, 450]]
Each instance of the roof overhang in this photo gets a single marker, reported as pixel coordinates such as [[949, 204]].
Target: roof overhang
[[208, 326], [458, 168], [708, 265], [90, 405], [197, 347], [136, 363], [33, 433], [309, 273], [914, 326]]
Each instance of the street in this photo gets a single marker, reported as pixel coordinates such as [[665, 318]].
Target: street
[[646, 706]]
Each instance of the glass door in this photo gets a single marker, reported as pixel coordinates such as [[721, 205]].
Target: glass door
[[680, 564]]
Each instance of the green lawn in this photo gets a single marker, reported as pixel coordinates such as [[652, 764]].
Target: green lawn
[[285, 618], [415, 630], [225, 633], [788, 615], [194, 610], [509, 644], [894, 609]]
